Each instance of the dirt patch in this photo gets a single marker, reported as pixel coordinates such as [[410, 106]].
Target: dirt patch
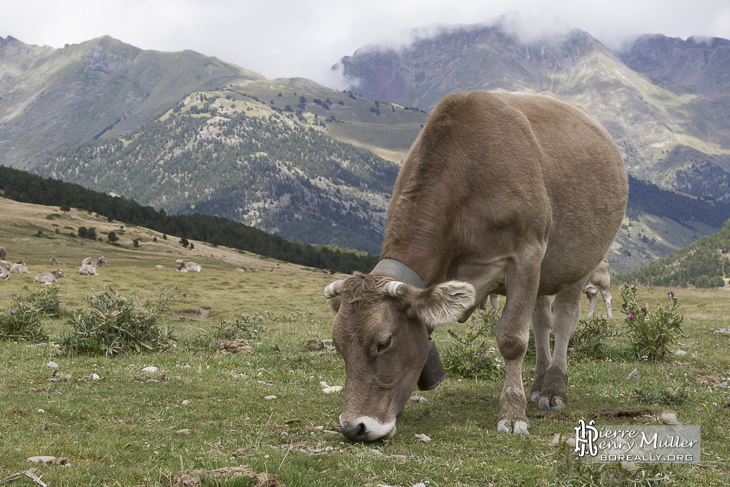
[[196, 477], [549, 415], [226, 347], [314, 346], [622, 413]]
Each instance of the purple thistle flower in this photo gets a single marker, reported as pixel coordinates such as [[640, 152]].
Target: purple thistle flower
[[670, 294], [643, 308], [629, 316]]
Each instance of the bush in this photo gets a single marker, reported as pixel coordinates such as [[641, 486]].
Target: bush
[[22, 322], [665, 397], [115, 324], [471, 356], [651, 331], [589, 338], [245, 327]]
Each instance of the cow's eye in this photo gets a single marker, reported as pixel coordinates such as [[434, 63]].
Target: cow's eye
[[384, 343]]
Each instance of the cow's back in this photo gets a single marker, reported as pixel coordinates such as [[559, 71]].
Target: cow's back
[[490, 169]]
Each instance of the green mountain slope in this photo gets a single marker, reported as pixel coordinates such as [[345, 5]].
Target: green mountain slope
[[224, 153], [647, 119], [55, 98]]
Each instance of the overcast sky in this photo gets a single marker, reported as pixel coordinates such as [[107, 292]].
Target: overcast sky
[[290, 38]]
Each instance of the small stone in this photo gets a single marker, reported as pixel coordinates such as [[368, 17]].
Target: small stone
[[669, 417], [419, 484], [42, 411], [52, 365], [722, 385], [269, 398], [150, 370], [629, 466], [634, 374], [680, 352], [417, 399], [570, 442], [185, 432], [46, 460], [323, 383], [95, 376], [185, 402], [725, 331], [329, 390], [422, 437]]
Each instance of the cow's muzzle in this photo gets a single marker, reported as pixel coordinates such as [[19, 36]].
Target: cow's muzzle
[[433, 372]]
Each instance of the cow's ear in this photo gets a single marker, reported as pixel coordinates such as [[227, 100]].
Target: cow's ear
[[334, 304], [444, 303]]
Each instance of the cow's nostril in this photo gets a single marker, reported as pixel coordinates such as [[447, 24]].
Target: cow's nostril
[[355, 431]]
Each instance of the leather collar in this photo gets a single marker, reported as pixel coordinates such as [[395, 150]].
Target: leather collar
[[396, 270]]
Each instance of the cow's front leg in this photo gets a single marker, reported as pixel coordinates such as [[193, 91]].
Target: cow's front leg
[[541, 324], [521, 283], [566, 308], [593, 300]]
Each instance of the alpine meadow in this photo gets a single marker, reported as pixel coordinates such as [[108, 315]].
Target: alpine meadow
[[135, 373]]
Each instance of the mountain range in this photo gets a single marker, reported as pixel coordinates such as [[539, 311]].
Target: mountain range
[[190, 133]]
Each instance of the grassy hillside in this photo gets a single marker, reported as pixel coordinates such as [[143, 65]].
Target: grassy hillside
[[202, 410]]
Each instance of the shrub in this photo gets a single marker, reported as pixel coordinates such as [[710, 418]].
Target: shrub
[[22, 322], [115, 324], [651, 330], [665, 397], [44, 299], [246, 327], [470, 356], [589, 338]]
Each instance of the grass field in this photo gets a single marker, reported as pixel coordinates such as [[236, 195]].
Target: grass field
[[202, 410]]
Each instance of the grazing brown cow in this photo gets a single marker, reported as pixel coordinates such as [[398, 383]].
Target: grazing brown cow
[[599, 282], [491, 200], [49, 277]]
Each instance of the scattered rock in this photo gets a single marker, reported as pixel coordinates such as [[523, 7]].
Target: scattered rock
[[92, 376], [669, 417], [269, 398], [57, 377], [634, 374], [422, 437], [725, 330], [314, 345], [158, 266], [45, 460], [680, 352], [331, 389], [417, 399], [185, 432], [52, 365], [150, 370], [194, 478], [722, 385], [185, 402], [226, 347]]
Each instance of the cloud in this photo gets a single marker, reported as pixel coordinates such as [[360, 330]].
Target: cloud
[[294, 38]]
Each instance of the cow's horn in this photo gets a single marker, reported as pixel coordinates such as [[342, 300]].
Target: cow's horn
[[396, 288], [333, 289]]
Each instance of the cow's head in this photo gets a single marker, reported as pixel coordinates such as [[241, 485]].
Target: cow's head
[[381, 330]]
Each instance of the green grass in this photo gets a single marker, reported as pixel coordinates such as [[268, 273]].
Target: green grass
[[122, 430]]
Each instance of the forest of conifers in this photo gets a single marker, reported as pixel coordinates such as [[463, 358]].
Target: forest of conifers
[[28, 188]]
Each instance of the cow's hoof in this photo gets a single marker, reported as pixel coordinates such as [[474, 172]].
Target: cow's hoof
[[519, 428], [535, 396], [545, 403]]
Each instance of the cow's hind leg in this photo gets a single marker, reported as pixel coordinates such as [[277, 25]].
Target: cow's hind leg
[[521, 283], [553, 394], [541, 324], [606, 295], [593, 299]]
